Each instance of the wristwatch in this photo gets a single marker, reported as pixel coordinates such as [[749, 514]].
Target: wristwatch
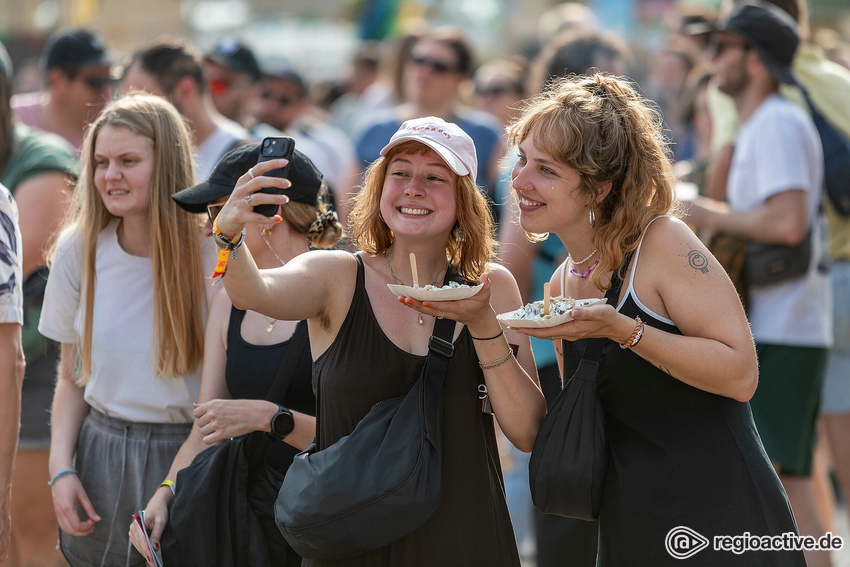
[[282, 423]]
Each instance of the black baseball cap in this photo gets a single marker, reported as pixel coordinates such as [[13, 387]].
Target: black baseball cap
[[772, 32], [284, 71], [74, 48], [233, 54], [306, 179]]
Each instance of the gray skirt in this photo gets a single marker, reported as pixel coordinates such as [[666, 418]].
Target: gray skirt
[[120, 464]]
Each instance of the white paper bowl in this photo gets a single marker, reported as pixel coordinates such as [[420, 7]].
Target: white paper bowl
[[435, 294], [513, 318]]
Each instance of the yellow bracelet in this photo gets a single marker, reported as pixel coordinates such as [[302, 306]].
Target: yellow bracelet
[[170, 484]]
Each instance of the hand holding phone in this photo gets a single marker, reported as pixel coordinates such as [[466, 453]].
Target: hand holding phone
[[275, 147], [139, 518]]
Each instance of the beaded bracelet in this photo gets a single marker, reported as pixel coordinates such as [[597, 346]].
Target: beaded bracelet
[[59, 475], [170, 484], [636, 334], [497, 362], [501, 332]]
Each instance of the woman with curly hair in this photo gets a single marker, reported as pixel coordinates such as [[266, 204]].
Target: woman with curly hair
[[674, 375], [369, 345]]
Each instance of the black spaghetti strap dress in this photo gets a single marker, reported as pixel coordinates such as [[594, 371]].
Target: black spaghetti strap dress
[[680, 457], [471, 527]]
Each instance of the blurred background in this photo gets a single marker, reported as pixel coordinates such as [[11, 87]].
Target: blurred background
[[320, 36]]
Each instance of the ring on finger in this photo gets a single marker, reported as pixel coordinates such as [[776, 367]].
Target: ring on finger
[[441, 316], [248, 199], [251, 173]]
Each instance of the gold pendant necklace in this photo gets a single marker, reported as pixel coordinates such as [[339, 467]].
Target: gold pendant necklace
[[263, 233]]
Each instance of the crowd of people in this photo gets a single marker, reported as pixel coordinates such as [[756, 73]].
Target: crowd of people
[[129, 189]]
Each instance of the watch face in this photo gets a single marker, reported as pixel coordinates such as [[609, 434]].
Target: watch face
[[283, 423]]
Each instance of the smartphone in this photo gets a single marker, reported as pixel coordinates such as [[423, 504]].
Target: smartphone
[[275, 147], [139, 518]]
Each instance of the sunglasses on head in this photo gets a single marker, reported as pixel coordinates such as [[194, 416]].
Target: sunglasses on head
[[218, 86], [281, 100], [96, 83], [214, 210], [433, 64]]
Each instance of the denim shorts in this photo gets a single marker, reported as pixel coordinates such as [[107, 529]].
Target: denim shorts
[[836, 387], [120, 465]]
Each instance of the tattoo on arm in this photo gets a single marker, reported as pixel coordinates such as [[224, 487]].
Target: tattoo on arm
[[698, 261]]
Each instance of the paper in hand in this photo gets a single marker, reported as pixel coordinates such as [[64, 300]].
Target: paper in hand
[[139, 518]]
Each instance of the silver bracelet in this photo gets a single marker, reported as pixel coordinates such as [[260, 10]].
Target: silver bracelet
[[498, 361]]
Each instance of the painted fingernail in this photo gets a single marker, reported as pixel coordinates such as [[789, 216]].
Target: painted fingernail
[[427, 304], [284, 199]]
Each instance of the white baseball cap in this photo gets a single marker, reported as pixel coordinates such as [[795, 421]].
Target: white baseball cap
[[446, 138]]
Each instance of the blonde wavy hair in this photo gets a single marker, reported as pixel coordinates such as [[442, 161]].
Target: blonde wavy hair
[[321, 227], [605, 130], [175, 236], [471, 243]]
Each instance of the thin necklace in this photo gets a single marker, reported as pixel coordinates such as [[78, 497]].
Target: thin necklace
[[399, 282], [585, 259], [271, 321]]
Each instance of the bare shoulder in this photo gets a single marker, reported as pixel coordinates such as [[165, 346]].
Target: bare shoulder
[[500, 276], [668, 238], [504, 292]]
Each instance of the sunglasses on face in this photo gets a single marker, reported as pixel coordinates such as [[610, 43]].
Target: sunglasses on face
[[280, 100], [214, 210], [96, 83], [434, 65], [218, 86], [494, 90], [720, 45]]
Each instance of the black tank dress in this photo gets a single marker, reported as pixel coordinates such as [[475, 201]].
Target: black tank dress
[[250, 371], [679, 457], [471, 527]]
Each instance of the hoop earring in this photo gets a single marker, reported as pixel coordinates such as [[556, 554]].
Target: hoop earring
[[267, 230], [591, 216]]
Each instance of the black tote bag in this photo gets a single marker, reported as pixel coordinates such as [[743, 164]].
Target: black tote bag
[[570, 457], [569, 460]]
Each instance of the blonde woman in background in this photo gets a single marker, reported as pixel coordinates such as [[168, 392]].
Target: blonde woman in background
[[126, 300]]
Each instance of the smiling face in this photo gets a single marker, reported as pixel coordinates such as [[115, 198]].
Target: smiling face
[[123, 170], [419, 194], [548, 192]]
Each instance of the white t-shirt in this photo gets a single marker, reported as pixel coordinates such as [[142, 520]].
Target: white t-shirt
[[11, 277], [216, 145], [123, 381], [778, 149]]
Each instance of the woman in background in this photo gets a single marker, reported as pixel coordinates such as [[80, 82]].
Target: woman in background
[[126, 300]]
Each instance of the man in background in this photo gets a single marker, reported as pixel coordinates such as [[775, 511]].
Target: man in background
[[173, 69], [76, 72]]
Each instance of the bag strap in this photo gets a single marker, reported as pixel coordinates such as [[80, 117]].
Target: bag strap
[[297, 344]]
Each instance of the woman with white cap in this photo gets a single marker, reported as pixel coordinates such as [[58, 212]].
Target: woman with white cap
[[369, 345]]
